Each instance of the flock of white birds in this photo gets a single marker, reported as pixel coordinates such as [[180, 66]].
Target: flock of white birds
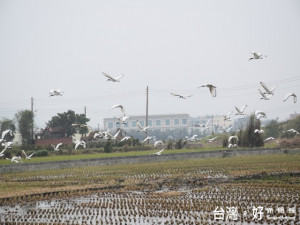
[[266, 94]]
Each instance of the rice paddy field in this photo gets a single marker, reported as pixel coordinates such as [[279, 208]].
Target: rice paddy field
[[262, 189]]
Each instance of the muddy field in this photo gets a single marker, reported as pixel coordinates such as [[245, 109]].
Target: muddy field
[[239, 190]]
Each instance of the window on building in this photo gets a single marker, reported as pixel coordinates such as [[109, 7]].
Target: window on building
[[167, 122], [149, 122], [184, 121], [110, 125], [158, 123], [176, 121], [126, 124], [142, 122], [133, 123]]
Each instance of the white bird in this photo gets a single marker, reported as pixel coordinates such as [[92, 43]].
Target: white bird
[[290, 95], [77, 143], [270, 139], [203, 125], [241, 110], [181, 96], [7, 144], [98, 135], [233, 137], [143, 129], [227, 117], [146, 139], [212, 89], [228, 129], [257, 131], [55, 92], [122, 119], [193, 138], [159, 152], [27, 157], [119, 106], [125, 138], [212, 139], [294, 131], [2, 152], [56, 148], [260, 114], [158, 143], [257, 55], [268, 91], [113, 79], [264, 97], [15, 159], [109, 136], [233, 145]]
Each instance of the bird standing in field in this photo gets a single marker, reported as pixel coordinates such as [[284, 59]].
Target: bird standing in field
[[113, 79], [212, 89], [271, 139], [290, 95], [294, 131]]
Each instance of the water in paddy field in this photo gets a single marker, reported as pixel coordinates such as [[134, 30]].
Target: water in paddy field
[[161, 207]]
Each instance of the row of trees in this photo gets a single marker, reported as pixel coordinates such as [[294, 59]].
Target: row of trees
[[24, 121]]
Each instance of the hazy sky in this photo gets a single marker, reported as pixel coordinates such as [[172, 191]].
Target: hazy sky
[[169, 45]]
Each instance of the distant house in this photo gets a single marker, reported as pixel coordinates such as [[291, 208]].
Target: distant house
[[52, 135]]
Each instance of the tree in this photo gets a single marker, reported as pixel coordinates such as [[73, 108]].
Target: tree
[[7, 124], [248, 138], [271, 129], [25, 122], [66, 119]]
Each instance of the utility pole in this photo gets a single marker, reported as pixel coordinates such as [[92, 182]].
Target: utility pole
[[85, 117], [32, 120], [147, 93]]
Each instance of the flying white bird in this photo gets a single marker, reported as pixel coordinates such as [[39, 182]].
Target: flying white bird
[[159, 152], [147, 138], [119, 106], [27, 157], [56, 148], [143, 129], [109, 136], [228, 129], [227, 117], [193, 138], [7, 144], [212, 89], [113, 79], [270, 139], [268, 91], [264, 97], [77, 143], [56, 92], [260, 114], [257, 131], [125, 138], [6, 133], [233, 137], [181, 96], [257, 55], [2, 152], [158, 143], [290, 95], [122, 119], [212, 139], [241, 110], [98, 135], [203, 125]]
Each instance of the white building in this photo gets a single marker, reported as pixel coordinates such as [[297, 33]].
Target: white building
[[163, 122]]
